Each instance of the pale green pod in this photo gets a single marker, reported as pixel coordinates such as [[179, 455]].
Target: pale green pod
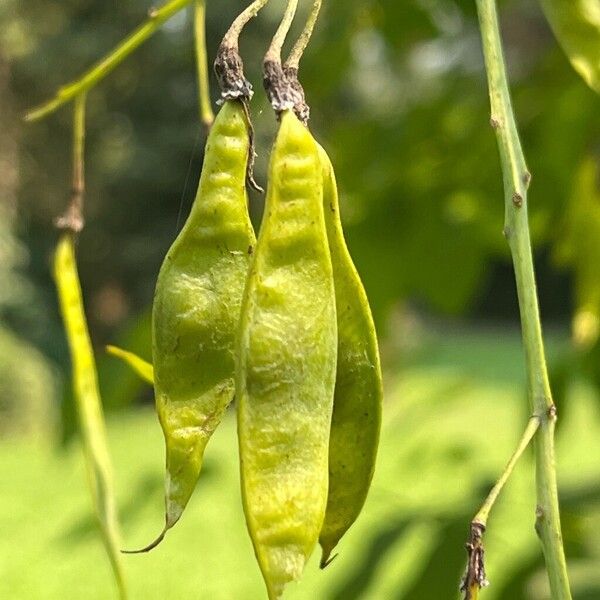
[[358, 397], [285, 373], [197, 307], [89, 404]]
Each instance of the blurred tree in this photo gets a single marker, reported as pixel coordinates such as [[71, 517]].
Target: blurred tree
[[398, 98]]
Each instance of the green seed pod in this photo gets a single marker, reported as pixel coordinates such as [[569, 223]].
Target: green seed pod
[[197, 307], [285, 374], [358, 389]]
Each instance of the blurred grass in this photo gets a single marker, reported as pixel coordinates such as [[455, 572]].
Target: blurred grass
[[452, 418]]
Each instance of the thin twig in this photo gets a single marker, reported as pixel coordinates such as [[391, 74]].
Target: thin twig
[[292, 64], [206, 112], [231, 38], [293, 60], [72, 219], [156, 17], [474, 577], [274, 51], [516, 182], [282, 93]]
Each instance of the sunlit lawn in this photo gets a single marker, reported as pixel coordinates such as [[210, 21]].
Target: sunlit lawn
[[453, 415]]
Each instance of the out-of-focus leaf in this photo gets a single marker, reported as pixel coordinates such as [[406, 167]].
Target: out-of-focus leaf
[[576, 24], [579, 247]]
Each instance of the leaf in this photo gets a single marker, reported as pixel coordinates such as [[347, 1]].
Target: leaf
[[576, 25], [143, 368], [578, 247]]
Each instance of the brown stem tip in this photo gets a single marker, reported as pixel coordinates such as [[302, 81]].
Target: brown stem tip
[[72, 219], [229, 69], [284, 89], [474, 578]]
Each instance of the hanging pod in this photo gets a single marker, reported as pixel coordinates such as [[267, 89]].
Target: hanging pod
[[286, 363], [197, 307], [358, 397]]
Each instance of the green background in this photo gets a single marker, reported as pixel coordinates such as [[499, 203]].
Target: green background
[[399, 99]]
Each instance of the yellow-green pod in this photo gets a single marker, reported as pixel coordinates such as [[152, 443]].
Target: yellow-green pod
[[197, 307], [285, 373], [89, 404], [358, 397]]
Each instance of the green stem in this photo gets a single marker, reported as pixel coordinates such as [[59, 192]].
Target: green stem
[[482, 515], [516, 181], [72, 219], [156, 17], [274, 51], [293, 60], [206, 113]]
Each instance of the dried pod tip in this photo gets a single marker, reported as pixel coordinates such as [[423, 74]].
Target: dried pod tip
[[229, 69], [284, 89], [149, 547]]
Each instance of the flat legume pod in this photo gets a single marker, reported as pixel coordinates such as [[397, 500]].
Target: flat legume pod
[[286, 364], [197, 307], [358, 388]]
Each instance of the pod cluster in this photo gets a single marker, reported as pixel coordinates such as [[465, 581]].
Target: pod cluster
[[282, 324]]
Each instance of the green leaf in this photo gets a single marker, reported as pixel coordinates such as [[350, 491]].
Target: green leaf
[[576, 25], [578, 247]]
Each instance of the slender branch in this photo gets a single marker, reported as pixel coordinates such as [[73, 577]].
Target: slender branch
[[292, 64], [293, 60], [231, 38], [516, 181], [482, 515], [206, 113], [156, 17], [72, 219], [474, 577], [274, 51]]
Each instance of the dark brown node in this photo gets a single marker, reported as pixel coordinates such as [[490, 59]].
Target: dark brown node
[[229, 69], [283, 93], [474, 576]]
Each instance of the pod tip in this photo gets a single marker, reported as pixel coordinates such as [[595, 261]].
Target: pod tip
[[149, 547], [326, 558]]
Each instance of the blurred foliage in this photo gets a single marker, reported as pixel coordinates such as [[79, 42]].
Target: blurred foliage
[[27, 389], [576, 24], [452, 418], [398, 97]]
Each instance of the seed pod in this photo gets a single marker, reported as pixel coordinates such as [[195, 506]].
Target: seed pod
[[197, 307], [358, 388], [88, 402], [285, 374]]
